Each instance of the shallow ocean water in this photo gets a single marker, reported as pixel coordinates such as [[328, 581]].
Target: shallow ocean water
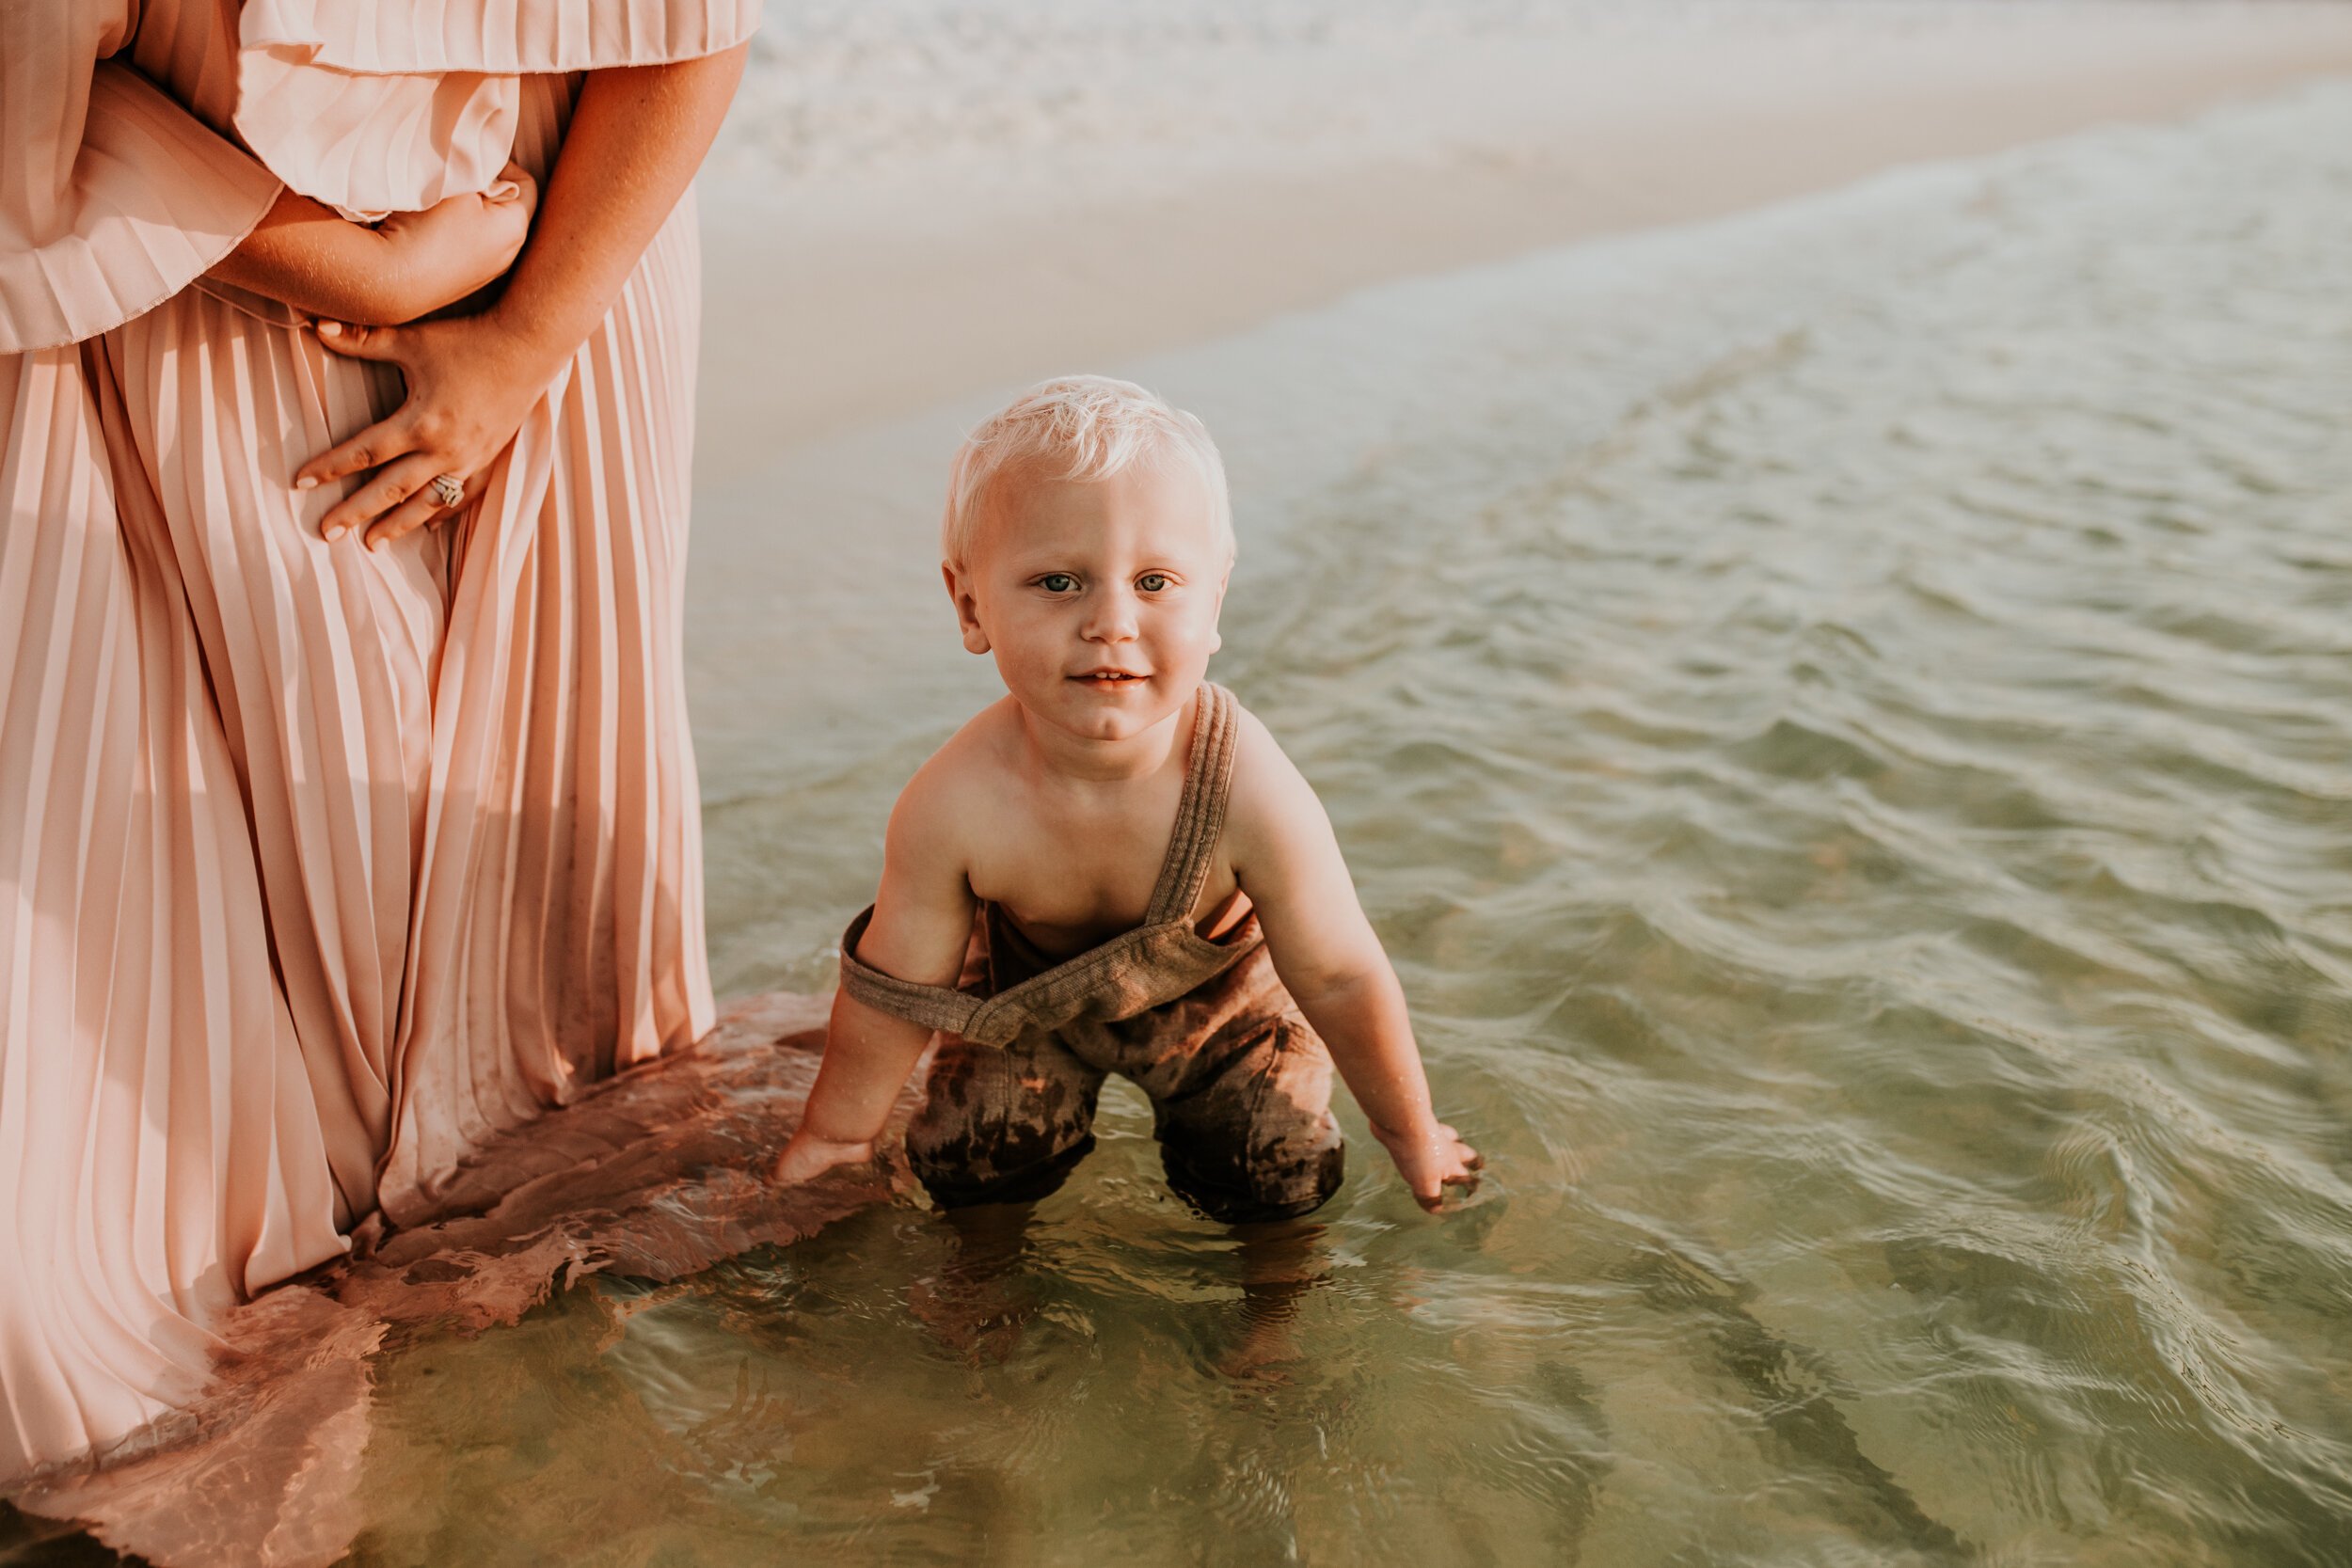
[[1843, 718]]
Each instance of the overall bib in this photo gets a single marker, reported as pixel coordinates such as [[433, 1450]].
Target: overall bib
[[1240, 1085]]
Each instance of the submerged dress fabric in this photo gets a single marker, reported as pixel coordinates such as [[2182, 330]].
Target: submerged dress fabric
[[318, 866]]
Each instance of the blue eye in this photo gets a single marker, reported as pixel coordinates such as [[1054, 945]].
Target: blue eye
[[1057, 582], [1152, 582]]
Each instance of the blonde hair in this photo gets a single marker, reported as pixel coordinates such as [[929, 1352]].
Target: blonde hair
[[1087, 428]]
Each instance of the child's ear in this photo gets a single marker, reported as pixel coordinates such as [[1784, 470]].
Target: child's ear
[[967, 607]]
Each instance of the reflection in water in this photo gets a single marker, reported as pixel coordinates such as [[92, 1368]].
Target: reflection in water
[[1842, 719], [975, 1302]]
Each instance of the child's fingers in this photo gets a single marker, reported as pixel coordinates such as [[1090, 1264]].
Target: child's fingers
[[1459, 1183], [1430, 1168], [355, 341], [805, 1161]]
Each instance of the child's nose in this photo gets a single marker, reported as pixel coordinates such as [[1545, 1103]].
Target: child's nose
[[1113, 618]]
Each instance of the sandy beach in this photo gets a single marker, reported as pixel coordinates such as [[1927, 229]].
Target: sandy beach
[[1292, 218], [1799, 543], [920, 199]]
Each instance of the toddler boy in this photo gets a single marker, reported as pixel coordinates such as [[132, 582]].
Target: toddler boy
[[1040, 913]]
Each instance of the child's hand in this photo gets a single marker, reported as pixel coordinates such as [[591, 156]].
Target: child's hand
[[325, 266], [806, 1158], [453, 248], [1431, 1161]]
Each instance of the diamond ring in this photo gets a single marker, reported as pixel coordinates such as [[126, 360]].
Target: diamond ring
[[450, 489]]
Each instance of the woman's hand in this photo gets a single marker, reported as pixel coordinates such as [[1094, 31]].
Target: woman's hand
[[472, 382], [636, 136], [1432, 1160]]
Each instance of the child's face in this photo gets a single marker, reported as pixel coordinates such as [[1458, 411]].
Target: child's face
[[1099, 600]]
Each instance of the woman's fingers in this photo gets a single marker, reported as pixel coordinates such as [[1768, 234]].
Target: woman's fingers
[[372, 447], [380, 442], [377, 444], [415, 513], [391, 485]]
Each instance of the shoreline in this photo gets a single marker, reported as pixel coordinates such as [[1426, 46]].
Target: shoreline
[[843, 300]]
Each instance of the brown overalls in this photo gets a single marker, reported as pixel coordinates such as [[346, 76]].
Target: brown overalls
[[1240, 1085]]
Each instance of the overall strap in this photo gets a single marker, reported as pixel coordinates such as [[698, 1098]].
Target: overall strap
[[1191, 847], [1200, 809], [934, 1007]]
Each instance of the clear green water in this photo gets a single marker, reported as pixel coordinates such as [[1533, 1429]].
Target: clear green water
[[1844, 720]]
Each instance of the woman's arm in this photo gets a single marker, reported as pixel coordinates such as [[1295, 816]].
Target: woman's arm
[[636, 138], [323, 264]]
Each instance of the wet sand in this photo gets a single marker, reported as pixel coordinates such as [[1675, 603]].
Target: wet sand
[[981, 238], [654, 1174]]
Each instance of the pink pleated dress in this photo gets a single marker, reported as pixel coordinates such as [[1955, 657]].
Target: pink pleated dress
[[317, 865]]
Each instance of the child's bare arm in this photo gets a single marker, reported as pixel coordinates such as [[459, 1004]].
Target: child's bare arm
[[922, 923], [1330, 959], [310, 258]]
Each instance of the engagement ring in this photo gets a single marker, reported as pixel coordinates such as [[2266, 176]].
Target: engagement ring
[[450, 489]]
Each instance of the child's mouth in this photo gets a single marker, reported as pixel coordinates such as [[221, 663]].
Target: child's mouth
[[1110, 679]]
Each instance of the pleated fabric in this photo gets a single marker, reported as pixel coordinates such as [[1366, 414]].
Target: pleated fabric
[[112, 197], [161, 1149], [318, 866], [558, 928]]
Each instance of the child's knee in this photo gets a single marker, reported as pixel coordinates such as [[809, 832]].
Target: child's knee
[[959, 1176], [1249, 1190], [994, 1128], [1260, 1143]]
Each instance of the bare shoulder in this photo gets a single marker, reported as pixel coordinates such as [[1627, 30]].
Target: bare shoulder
[[1272, 807], [952, 793]]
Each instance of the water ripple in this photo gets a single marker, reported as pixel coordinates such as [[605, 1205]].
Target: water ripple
[[1841, 720]]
